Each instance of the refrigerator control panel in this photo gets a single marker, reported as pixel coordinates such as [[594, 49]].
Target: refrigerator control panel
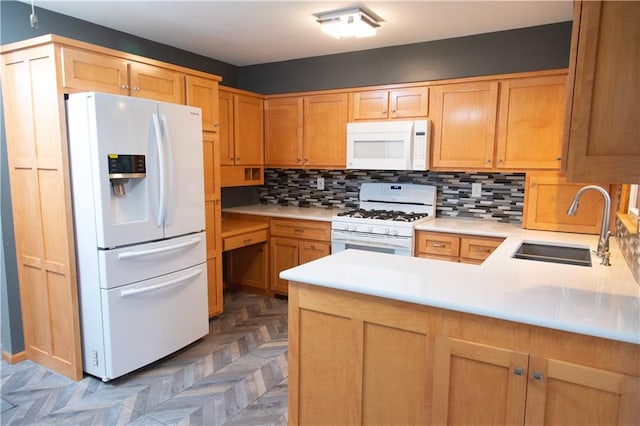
[[126, 166]]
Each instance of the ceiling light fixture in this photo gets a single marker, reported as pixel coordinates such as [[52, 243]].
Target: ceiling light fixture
[[348, 23]]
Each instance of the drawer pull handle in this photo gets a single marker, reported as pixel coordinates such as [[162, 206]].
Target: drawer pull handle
[[298, 230], [483, 250], [438, 245], [247, 241]]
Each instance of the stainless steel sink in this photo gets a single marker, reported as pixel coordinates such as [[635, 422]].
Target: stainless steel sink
[[554, 253]]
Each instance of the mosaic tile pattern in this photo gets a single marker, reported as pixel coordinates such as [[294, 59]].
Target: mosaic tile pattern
[[502, 197], [237, 374], [630, 246]]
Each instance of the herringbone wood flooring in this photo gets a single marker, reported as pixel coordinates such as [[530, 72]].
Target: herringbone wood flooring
[[236, 375]]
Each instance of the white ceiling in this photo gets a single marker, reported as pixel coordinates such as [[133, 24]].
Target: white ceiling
[[255, 32]]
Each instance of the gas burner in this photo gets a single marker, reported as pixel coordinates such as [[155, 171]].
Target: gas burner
[[393, 215]]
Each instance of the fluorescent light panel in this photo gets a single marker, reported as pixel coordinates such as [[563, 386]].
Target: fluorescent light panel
[[348, 23]]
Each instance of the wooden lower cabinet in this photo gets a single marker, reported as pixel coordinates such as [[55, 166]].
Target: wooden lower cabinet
[[294, 242], [247, 267], [379, 361], [455, 247], [480, 384]]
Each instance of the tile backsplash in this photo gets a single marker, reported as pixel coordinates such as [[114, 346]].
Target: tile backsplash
[[630, 246], [502, 197]]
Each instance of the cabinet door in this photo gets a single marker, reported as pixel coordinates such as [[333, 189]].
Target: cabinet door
[[531, 122], [248, 131], [312, 250], [84, 71], [477, 384], [560, 393], [203, 93], [284, 255], [149, 82], [547, 199], [604, 134], [283, 132], [325, 131], [225, 129], [369, 105], [411, 102], [464, 119]]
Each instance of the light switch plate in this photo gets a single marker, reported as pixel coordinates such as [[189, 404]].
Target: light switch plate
[[476, 190], [320, 183]]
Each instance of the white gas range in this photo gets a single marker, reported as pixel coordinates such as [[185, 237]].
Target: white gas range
[[385, 219]]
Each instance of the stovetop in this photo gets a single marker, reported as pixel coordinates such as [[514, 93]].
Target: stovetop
[[392, 215]]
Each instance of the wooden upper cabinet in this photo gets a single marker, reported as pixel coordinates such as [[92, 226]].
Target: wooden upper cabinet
[[325, 131], [226, 128], [604, 130], [530, 122], [160, 84], [547, 199], [241, 129], [382, 104], [248, 130], [86, 71], [83, 71], [464, 120], [283, 119], [203, 93]]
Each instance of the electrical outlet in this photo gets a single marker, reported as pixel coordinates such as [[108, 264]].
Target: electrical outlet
[[476, 190], [320, 183]]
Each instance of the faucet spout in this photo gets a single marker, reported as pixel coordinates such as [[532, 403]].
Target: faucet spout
[[603, 242]]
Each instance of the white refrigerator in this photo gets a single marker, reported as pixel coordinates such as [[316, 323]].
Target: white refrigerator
[[138, 199]]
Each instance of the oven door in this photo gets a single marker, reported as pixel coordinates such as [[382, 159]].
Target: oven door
[[342, 240]]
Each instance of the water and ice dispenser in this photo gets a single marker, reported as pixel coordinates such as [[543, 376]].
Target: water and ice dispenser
[[123, 167]]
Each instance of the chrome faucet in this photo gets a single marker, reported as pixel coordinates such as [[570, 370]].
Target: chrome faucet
[[603, 242]]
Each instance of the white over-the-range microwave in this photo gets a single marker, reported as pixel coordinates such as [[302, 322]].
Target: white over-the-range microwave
[[388, 145]]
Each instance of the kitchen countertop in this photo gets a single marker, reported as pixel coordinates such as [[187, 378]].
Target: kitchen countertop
[[601, 301], [307, 213]]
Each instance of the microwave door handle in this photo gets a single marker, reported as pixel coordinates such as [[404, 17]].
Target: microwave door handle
[[408, 150]]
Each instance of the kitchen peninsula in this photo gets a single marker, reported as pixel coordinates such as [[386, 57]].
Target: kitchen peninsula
[[406, 340]]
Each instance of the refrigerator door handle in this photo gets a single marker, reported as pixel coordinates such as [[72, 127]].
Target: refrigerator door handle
[[159, 146], [139, 253], [134, 291], [169, 199]]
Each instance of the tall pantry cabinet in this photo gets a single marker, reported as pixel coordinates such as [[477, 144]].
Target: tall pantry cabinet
[[36, 74]]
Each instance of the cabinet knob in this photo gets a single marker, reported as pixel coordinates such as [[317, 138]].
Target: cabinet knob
[[237, 158], [393, 111], [537, 375], [124, 86], [488, 161], [518, 371], [500, 161], [215, 125], [559, 158], [136, 88], [384, 111]]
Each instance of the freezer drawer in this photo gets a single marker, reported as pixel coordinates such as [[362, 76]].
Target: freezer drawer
[[146, 321], [143, 261]]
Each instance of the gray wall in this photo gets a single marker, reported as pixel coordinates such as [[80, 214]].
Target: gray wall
[[15, 26], [536, 48], [527, 49]]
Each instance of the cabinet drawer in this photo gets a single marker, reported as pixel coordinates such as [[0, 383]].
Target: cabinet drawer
[[306, 229], [242, 240], [437, 257], [438, 244], [478, 248]]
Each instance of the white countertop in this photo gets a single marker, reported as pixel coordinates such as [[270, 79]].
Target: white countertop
[[308, 213], [601, 301]]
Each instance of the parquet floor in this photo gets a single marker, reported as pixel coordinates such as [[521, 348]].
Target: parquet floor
[[236, 375]]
